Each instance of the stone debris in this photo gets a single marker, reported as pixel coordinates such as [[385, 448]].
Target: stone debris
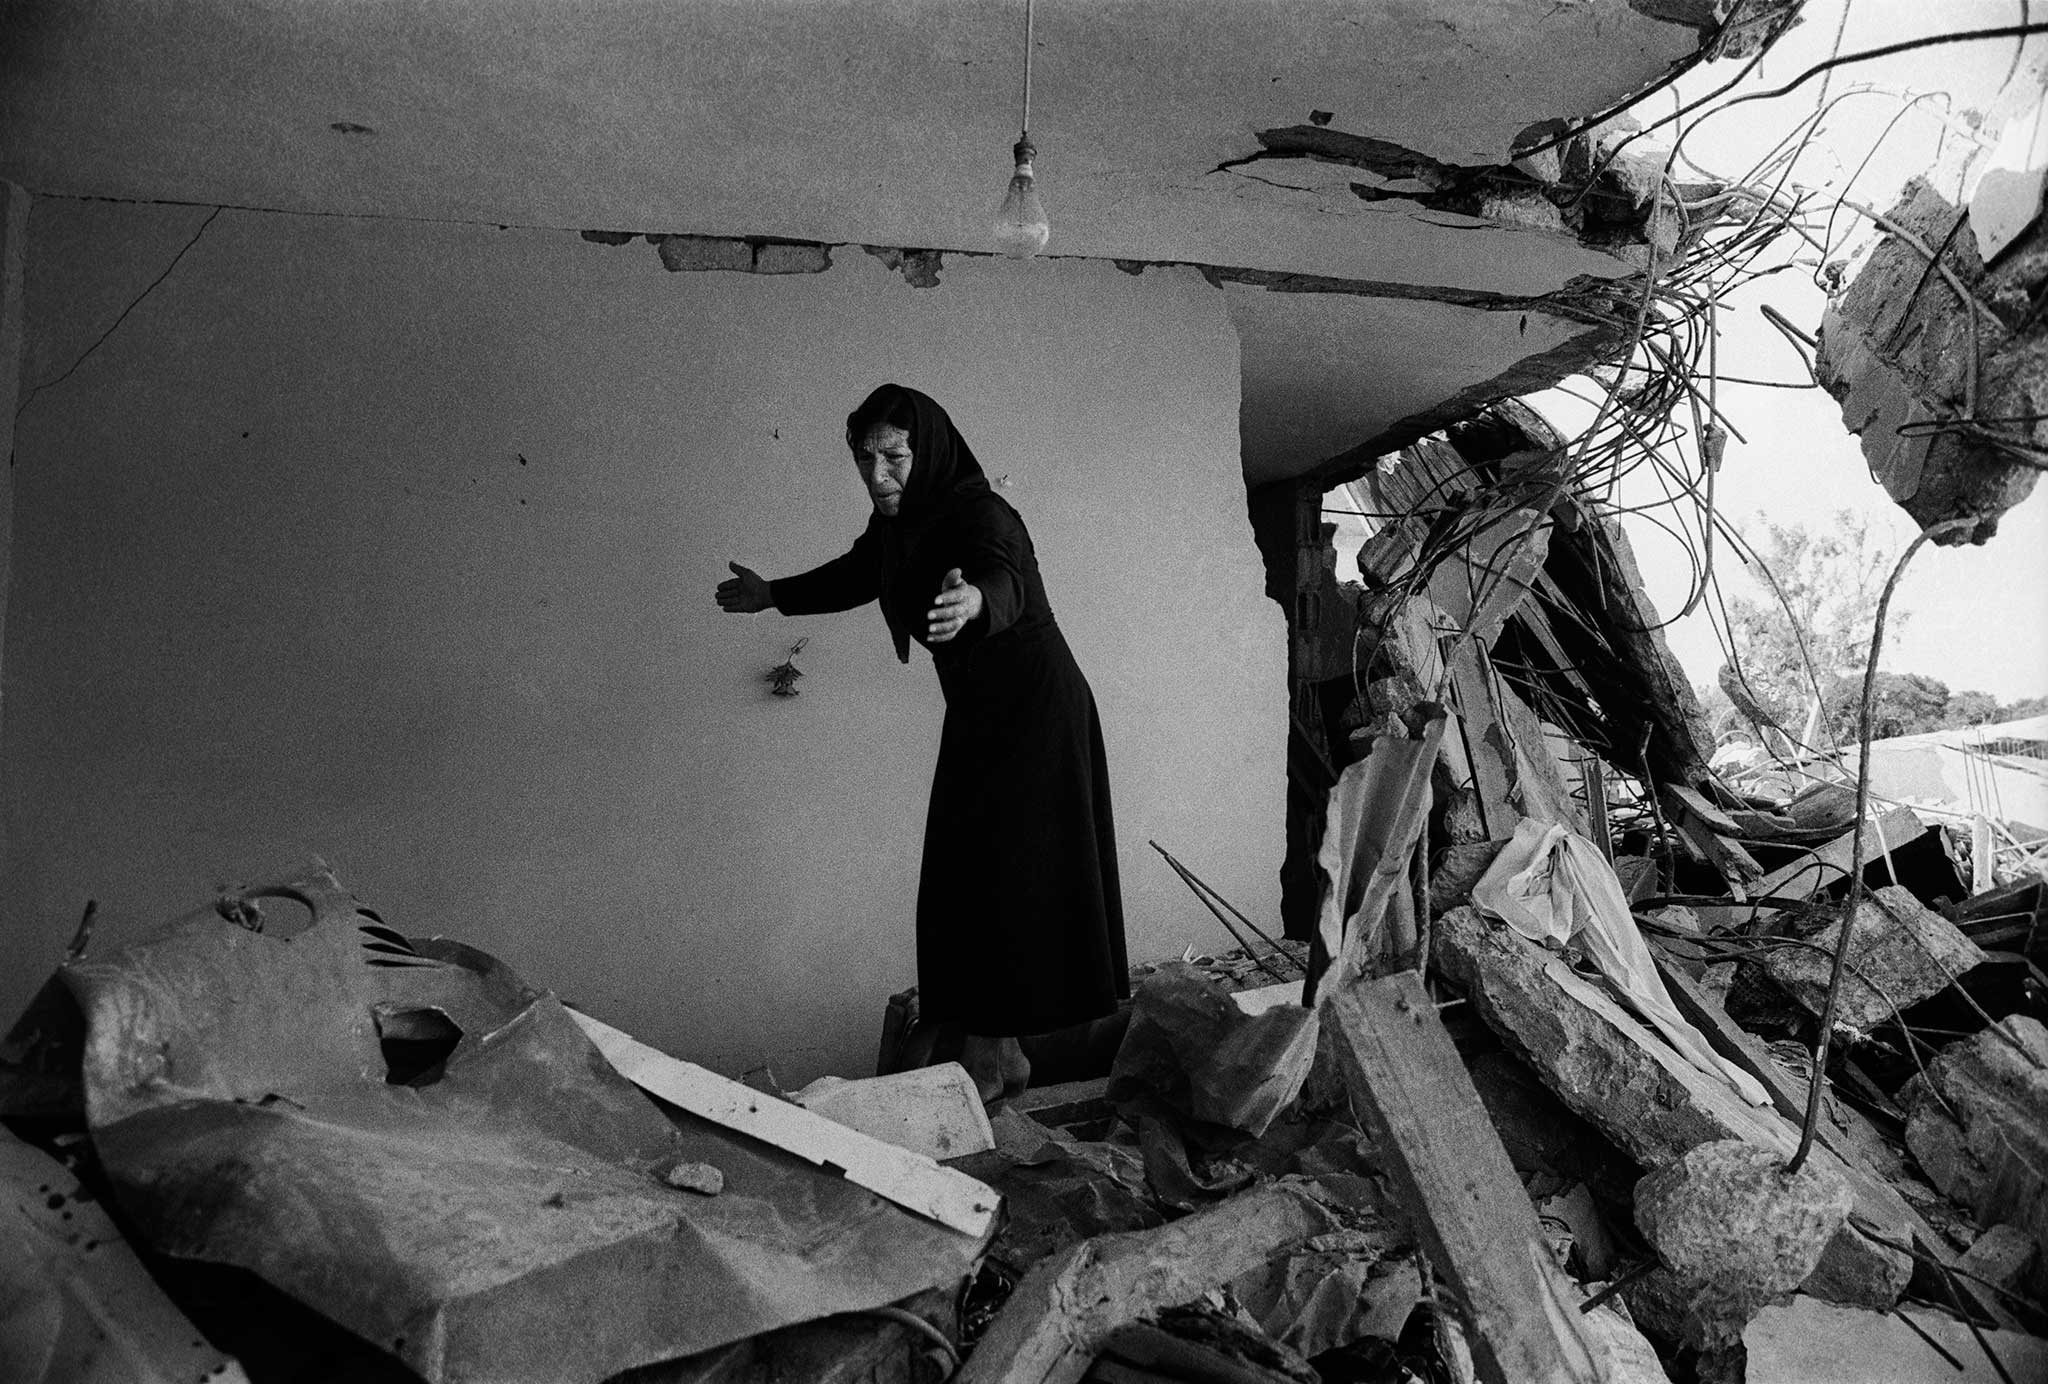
[[1738, 1229], [1900, 953], [1515, 1096], [1978, 1124], [695, 1177], [1900, 360], [1809, 1342]]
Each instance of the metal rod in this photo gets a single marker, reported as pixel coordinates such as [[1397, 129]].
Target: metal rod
[[1025, 128], [1823, 1040], [1205, 894]]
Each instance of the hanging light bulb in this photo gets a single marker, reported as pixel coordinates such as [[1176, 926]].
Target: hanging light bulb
[[1020, 227]]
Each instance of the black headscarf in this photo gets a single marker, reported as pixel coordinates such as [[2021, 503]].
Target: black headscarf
[[943, 477]]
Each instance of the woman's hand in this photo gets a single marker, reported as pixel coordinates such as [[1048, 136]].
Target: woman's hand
[[746, 591], [957, 602]]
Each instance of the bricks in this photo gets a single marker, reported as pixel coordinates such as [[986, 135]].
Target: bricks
[[700, 253]]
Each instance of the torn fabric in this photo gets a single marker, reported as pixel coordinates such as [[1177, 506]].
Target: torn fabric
[[1552, 885]]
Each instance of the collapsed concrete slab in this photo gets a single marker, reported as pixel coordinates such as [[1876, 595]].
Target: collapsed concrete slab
[[1900, 952], [1978, 1124], [1940, 363], [1812, 1342], [1612, 1070]]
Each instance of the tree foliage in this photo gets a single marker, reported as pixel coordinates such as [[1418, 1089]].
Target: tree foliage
[[1829, 583], [1794, 645], [1900, 704]]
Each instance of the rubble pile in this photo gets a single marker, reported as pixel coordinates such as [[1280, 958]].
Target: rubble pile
[[1527, 1096]]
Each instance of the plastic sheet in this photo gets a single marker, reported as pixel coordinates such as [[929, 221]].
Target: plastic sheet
[[410, 1140], [1552, 885]]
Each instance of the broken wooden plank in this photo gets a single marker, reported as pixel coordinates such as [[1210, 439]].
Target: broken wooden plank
[[1417, 1101], [1198, 1343], [1678, 797], [1069, 1305], [1710, 832], [910, 1180], [1609, 1067]]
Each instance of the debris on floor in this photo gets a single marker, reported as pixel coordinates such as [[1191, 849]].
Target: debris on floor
[[1809, 1342], [401, 1134], [75, 1302], [1539, 1089]]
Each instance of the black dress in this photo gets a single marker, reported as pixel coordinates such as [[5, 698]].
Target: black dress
[[1019, 915]]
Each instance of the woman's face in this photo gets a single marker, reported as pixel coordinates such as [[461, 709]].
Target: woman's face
[[883, 457]]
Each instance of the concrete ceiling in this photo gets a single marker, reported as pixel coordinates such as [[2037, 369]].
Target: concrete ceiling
[[1330, 374], [868, 121]]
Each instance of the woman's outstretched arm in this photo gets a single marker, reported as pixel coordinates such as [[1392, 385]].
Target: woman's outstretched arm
[[852, 579]]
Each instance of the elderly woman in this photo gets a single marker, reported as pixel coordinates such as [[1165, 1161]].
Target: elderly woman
[[1019, 919]]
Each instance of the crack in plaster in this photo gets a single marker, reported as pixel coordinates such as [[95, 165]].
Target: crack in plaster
[[1580, 297]]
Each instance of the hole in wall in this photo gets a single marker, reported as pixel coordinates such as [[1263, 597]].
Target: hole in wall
[[416, 1044]]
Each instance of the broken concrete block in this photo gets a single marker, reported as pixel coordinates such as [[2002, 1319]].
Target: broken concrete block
[[1455, 870], [920, 268], [1525, 212], [1739, 1229], [2010, 1259], [1900, 352], [1636, 171], [696, 253], [1606, 1065], [1900, 952], [1811, 1342], [2008, 1256], [695, 1177], [777, 257], [934, 1110], [1978, 1124]]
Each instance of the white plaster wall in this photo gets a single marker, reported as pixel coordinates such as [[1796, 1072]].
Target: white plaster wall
[[283, 584]]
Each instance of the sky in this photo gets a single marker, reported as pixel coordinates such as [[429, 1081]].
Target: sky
[[1974, 617]]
